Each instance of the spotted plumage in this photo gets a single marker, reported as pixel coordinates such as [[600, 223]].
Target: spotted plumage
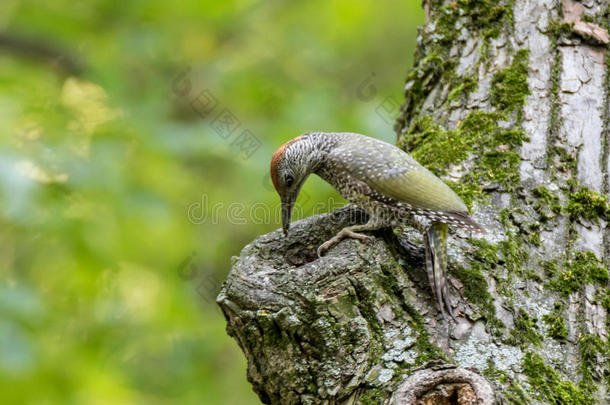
[[381, 179]]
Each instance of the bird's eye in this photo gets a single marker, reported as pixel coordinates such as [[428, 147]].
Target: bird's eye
[[289, 180]]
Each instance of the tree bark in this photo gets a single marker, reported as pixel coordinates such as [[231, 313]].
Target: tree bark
[[509, 103]]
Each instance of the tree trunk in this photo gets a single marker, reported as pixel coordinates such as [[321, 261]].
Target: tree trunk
[[508, 102]]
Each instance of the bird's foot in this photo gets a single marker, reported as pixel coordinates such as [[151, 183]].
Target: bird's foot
[[348, 232]]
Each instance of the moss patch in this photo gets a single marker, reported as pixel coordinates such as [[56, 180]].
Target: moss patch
[[509, 87], [555, 323], [558, 29], [574, 273], [584, 203], [546, 384], [525, 331], [514, 254], [487, 15], [426, 351], [462, 87], [433, 60], [593, 353], [514, 393], [423, 347], [485, 258], [475, 289], [373, 396], [547, 204], [424, 76]]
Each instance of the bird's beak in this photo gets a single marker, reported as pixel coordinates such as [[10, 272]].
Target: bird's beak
[[287, 205]]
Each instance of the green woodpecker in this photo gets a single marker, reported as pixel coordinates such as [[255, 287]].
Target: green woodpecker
[[383, 180]]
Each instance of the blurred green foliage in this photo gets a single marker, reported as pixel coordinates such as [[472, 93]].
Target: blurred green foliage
[[107, 283]]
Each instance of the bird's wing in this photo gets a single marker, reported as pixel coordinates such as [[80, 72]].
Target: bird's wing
[[419, 188], [395, 174]]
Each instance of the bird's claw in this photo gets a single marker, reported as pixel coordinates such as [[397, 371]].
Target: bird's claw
[[342, 235], [320, 251], [327, 245]]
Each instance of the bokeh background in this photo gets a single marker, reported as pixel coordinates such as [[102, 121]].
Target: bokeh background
[[135, 143]]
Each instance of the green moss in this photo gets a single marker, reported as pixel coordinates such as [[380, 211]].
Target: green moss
[[546, 384], [555, 323], [422, 78], [557, 29], [479, 134], [505, 217], [593, 351], [556, 119], [373, 396], [514, 393], [366, 306], [463, 87], [487, 15], [534, 239], [525, 331], [475, 288], [486, 257], [433, 62], [485, 252], [468, 191], [545, 196], [514, 253], [509, 87], [584, 203], [564, 162], [426, 351], [604, 299], [427, 137], [580, 269], [484, 16], [476, 292], [550, 267], [547, 204], [445, 31]]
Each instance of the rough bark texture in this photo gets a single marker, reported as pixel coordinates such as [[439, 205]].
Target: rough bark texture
[[509, 102]]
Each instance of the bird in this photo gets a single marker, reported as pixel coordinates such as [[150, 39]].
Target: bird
[[384, 181]]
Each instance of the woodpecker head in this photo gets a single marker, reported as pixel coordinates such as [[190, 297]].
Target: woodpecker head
[[290, 166]]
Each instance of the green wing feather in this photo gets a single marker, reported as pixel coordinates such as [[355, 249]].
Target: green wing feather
[[395, 174], [421, 189]]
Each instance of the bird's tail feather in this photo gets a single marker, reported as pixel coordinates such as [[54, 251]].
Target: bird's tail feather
[[436, 264], [463, 220]]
